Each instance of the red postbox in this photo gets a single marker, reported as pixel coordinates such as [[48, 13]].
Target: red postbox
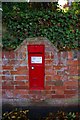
[[36, 66]]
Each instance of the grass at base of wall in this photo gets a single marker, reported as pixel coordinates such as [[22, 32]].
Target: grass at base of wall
[[24, 115]]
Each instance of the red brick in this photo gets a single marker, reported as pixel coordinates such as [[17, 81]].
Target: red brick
[[8, 83], [53, 87], [47, 92], [49, 67], [60, 72], [73, 70], [58, 96], [57, 77], [73, 77], [7, 72], [14, 72], [48, 72], [11, 55], [3, 54], [79, 61], [20, 68], [70, 55], [52, 56], [71, 87], [48, 62], [7, 77], [72, 62], [11, 62], [59, 87], [51, 92], [21, 87], [70, 91], [20, 91], [47, 55], [7, 87], [48, 87], [7, 67], [71, 83], [51, 83], [3, 78], [22, 77], [34, 92], [21, 83], [59, 92], [48, 78], [24, 55], [21, 72], [57, 67], [69, 95]]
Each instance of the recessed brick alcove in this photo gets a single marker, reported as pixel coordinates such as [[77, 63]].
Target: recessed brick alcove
[[61, 76]]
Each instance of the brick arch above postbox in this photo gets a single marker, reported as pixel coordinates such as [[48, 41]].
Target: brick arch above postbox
[[50, 50], [38, 41]]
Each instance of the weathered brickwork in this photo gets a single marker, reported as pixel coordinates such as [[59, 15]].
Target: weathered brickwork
[[61, 73]]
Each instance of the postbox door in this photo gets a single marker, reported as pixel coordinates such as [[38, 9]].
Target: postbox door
[[36, 67]]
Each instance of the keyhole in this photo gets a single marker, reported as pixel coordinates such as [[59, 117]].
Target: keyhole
[[32, 68]]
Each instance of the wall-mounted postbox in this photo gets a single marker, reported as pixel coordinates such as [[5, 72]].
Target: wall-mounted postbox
[[36, 66]]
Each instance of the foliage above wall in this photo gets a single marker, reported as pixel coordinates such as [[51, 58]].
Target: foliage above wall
[[24, 20]]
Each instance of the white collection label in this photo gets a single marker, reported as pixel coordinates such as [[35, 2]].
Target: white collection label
[[36, 59]]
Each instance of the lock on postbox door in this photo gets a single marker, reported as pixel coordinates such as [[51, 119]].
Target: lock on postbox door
[[36, 66]]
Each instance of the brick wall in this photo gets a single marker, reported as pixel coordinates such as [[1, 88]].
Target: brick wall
[[61, 75]]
